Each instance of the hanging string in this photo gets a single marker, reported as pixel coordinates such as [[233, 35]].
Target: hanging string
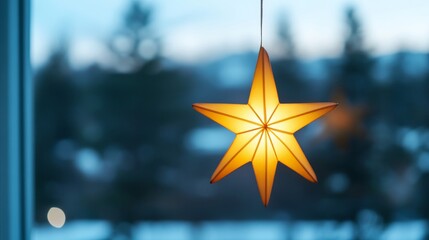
[[262, 17]]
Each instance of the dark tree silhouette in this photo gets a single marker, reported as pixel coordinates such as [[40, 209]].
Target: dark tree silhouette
[[285, 37], [355, 75], [134, 43], [287, 68], [55, 100]]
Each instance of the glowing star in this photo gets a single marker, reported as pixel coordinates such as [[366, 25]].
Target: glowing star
[[264, 130]]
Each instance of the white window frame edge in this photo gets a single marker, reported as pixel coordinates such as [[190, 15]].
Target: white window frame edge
[[16, 122]]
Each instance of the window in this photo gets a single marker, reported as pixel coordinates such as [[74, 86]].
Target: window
[[120, 154], [16, 139]]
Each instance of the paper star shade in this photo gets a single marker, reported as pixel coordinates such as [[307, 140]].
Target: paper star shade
[[264, 130]]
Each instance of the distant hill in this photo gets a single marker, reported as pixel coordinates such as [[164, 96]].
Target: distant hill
[[236, 70]]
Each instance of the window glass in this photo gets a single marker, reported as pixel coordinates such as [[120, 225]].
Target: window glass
[[121, 154]]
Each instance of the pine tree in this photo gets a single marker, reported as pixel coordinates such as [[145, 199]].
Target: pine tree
[[134, 43], [355, 75], [287, 67]]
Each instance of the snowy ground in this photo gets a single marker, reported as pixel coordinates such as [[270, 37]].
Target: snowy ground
[[234, 230]]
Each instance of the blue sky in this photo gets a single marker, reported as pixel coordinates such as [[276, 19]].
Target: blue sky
[[199, 30]]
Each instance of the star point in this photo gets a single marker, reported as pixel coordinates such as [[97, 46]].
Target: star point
[[264, 130]]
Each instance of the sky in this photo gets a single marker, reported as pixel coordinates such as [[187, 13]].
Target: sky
[[192, 31]]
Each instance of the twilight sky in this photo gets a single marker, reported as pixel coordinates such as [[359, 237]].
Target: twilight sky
[[200, 30]]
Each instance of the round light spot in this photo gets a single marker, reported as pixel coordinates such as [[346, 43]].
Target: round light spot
[[56, 217]]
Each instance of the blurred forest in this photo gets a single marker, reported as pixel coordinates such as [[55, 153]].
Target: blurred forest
[[115, 144]]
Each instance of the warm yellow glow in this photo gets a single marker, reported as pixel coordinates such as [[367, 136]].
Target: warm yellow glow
[[56, 217], [264, 130]]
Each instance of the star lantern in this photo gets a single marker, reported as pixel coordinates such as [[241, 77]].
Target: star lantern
[[264, 130]]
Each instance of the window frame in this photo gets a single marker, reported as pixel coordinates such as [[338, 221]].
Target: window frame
[[16, 121]]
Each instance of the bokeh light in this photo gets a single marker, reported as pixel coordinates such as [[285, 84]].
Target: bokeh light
[[56, 217]]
